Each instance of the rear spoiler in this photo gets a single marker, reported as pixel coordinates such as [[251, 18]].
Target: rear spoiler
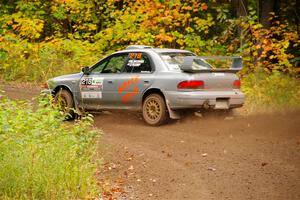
[[203, 66]]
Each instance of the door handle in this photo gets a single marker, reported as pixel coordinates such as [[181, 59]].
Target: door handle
[[147, 82], [110, 81]]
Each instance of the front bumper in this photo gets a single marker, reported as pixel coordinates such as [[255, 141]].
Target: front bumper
[[200, 99], [46, 92]]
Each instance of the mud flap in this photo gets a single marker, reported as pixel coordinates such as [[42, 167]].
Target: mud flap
[[173, 114], [79, 110]]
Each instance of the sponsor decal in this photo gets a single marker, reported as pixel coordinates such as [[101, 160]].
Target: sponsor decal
[[92, 82], [91, 87], [128, 83], [135, 60], [91, 95], [134, 56], [129, 89], [218, 74], [135, 63]]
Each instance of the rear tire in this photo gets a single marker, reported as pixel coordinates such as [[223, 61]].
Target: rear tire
[[155, 110], [65, 103]]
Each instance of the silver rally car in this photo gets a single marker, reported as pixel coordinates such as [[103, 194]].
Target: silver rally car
[[158, 82]]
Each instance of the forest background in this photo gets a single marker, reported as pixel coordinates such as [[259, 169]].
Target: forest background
[[40, 39]]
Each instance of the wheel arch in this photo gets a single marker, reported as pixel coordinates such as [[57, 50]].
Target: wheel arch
[[172, 114], [59, 87], [163, 116], [151, 91], [65, 87]]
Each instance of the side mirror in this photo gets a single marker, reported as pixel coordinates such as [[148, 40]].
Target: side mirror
[[86, 70]]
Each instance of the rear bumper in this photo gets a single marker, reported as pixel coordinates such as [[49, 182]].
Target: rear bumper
[[199, 99]]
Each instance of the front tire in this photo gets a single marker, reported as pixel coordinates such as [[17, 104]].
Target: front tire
[[154, 110], [64, 101]]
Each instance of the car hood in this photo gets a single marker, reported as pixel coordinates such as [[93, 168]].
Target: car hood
[[64, 79], [67, 77]]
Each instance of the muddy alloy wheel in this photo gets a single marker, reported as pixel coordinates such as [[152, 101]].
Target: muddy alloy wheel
[[64, 100], [154, 110]]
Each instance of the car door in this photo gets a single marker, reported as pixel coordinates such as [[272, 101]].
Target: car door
[[135, 78], [99, 87]]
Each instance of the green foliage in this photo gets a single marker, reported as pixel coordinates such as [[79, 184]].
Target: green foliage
[[26, 61], [42, 157], [270, 91]]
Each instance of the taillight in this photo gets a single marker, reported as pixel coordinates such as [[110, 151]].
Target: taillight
[[196, 84], [237, 84]]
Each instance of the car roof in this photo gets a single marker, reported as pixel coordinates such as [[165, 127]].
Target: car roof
[[164, 50], [142, 48]]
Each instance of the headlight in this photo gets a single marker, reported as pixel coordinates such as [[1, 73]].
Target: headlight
[[45, 85]]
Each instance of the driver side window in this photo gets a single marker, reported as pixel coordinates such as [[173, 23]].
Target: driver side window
[[115, 64], [99, 67]]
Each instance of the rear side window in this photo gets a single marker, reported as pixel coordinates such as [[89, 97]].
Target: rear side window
[[174, 59], [138, 63]]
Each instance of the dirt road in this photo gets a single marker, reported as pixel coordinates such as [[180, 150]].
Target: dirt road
[[244, 157]]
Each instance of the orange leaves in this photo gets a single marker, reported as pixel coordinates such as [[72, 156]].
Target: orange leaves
[[271, 46], [187, 8], [163, 37], [204, 6]]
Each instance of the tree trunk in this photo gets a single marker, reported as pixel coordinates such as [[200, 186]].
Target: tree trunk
[[266, 7], [239, 7]]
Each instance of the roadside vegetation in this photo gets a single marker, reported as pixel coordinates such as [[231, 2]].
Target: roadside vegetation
[[42, 157], [42, 39], [268, 92]]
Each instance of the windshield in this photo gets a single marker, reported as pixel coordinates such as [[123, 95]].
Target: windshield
[[175, 59]]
